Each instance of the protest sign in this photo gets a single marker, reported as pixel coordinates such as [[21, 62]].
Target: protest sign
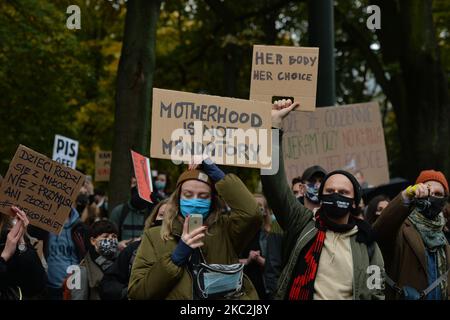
[[65, 151], [344, 137], [44, 189], [143, 175], [102, 165], [230, 131], [279, 72]]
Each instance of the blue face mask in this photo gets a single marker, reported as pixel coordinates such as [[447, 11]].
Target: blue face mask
[[199, 206], [160, 185]]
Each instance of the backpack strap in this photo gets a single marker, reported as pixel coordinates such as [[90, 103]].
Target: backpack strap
[[437, 282]]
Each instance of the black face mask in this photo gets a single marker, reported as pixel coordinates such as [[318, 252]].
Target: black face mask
[[136, 201], [301, 200], [335, 205], [82, 202], [430, 207]]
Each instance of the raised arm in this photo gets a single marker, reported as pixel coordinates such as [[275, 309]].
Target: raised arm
[[244, 220], [387, 226], [286, 207]]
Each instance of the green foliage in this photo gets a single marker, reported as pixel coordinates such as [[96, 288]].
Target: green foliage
[[59, 81], [41, 76]]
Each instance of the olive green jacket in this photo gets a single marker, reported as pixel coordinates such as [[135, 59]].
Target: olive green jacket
[[155, 276], [299, 229]]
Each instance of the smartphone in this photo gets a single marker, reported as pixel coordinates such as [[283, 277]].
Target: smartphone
[[195, 222]]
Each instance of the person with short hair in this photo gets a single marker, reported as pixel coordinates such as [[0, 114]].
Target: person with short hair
[[375, 207], [101, 256]]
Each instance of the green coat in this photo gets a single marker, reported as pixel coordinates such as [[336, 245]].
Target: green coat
[[299, 227], [155, 276]]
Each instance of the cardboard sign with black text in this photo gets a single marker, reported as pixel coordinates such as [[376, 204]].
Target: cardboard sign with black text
[[348, 137], [44, 189], [102, 165], [235, 132], [285, 72]]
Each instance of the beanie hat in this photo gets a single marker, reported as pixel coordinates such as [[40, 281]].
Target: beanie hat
[[195, 175], [355, 183], [432, 175]]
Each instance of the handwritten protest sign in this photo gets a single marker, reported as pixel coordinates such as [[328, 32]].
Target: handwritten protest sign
[[65, 151], [230, 131], [143, 175], [279, 71], [44, 189], [102, 165], [345, 137]]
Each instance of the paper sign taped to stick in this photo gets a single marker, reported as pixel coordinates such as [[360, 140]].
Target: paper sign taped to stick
[[281, 72], [346, 137], [65, 151], [143, 175], [102, 165], [188, 126], [44, 189]]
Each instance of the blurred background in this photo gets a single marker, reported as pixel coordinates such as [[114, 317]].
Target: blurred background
[[54, 80]]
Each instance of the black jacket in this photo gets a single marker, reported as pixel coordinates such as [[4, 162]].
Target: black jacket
[[273, 266], [114, 284], [23, 270]]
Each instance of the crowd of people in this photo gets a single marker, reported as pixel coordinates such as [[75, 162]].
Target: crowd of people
[[319, 238]]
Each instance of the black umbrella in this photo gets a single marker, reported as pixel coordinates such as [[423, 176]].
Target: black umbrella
[[391, 189]]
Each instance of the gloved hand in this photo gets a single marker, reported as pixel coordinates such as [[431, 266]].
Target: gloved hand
[[181, 253], [212, 170], [419, 190]]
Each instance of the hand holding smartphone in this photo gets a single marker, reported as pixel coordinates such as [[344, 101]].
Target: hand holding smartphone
[[195, 222]]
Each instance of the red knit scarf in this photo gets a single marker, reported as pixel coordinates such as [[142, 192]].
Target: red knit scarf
[[302, 287], [305, 271]]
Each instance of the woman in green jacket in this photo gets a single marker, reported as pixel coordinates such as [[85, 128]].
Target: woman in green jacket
[[164, 267]]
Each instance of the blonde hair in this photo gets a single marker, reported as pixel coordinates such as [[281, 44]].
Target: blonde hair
[[266, 204], [152, 217], [173, 204]]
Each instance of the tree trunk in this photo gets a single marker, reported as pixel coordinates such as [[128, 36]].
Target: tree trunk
[[134, 94], [321, 34], [418, 84]]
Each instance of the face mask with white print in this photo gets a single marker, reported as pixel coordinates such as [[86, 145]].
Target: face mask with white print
[[312, 193], [108, 247]]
